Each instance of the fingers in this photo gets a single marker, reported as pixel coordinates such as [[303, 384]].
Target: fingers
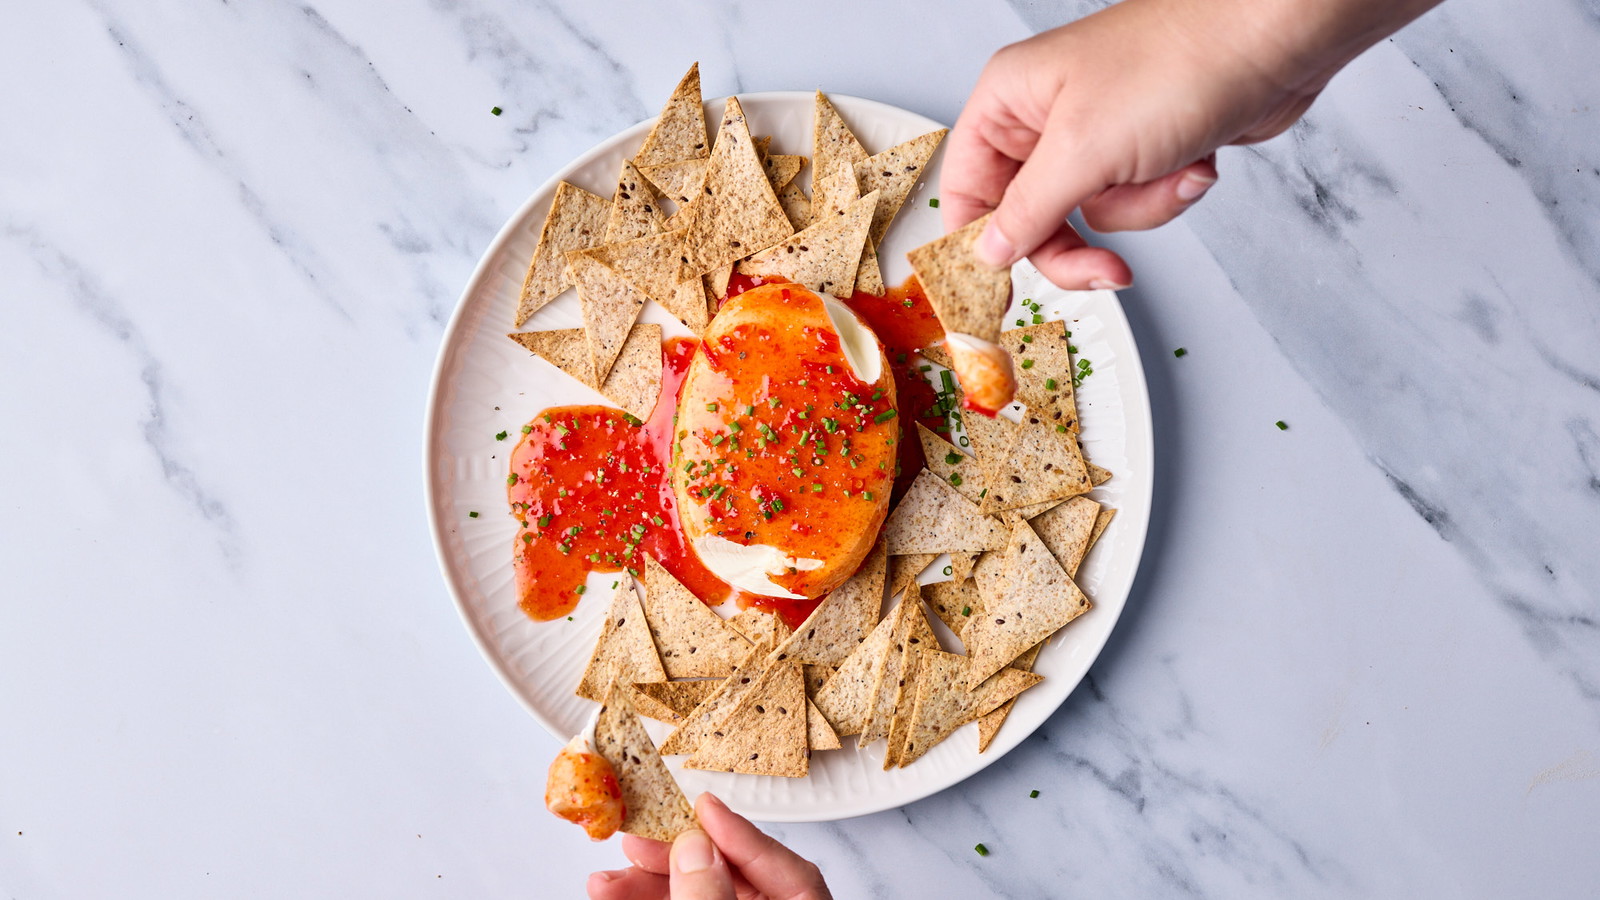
[[1130, 207], [627, 884], [699, 871], [1059, 176], [651, 856], [1072, 265], [769, 866]]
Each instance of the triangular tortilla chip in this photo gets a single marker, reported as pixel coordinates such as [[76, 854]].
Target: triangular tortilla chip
[[624, 651], [763, 143], [688, 304], [1066, 529], [717, 281], [737, 212], [833, 190], [968, 296], [567, 349], [934, 518], [760, 625], [677, 181], [653, 805], [842, 620], [955, 468], [819, 734], [905, 695], [1031, 511], [782, 169], [610, 306], [816, 677], [680, 130], [1041, 464], [911, 632], [703, 719], [846, 700], [945, 702], [953, 602], [694, 642], [869, 278], [1098, 476], [989, 724], [961, 565], [635, 208], [895, 172], [1100, 523], [1044, 372], [670, 701], [577, 219], [1036, 599], [766, 733], [823, 257], [796, 205], [831, 139], [649, 263], [635, 380], [904, 569]]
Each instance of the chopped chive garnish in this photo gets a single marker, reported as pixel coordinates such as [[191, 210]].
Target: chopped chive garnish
[[632, 419], [1021, 322], [802, 382], [949, 570], [798, 472], [735, 426], [711, 407], [583, 589], [966, 610], [1027, 339], [1180, 353], [933, 202], [1062, 429], [527, 429], [511, 479], [527, 538], [1282, 425], [952, 458], [884, 416], [955, 479], [472, 515], [718, 439], [1038, 319], [816, 489], [544, 521], [749, 410], [1033, 793], [1027, 364], [777, 504], [501, 436], [657, 520], [496, 111], [1049, 384]]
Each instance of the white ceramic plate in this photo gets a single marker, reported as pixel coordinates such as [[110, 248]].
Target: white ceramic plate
[[484, 384]]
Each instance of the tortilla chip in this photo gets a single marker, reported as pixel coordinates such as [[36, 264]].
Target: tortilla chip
[[1041, 464], [1100, 523], [953, 602], [577, 219], [823, 257], [653, 805], [968, 296], [759, 625], [689, 305], [766, 733], [936, 353], [694, 642], [904, 569], [670, 701], [846, 699], [895, 172], [905, 694], [989, 724], [911, 632], [1098, 476], [1066, 529], [961, 565], [1031, 511], [737, 211], [965, 474], [763, 143], [635, 381], [717, 281], [703, 719], [816, 677], [945, 702], [796, 205], [833, 190], [842, 620], [567, 349], [610, 306], [989, 576], [831, 139], [1036, 599], [680, 131], [677, 181], [649, 263], [635, 208], [819, 734], [624, 651], [869, 278], [782, 168], [1045, 386], [934, 518]]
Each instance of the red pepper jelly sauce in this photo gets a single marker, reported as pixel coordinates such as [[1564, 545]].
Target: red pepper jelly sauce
[[590, 491]]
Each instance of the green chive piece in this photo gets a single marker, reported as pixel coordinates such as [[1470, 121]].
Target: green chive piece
[[544, 521], [1180, 353], [1021, 322], [501, 436], [718, 439], [527, 429], [966, 610], [711, 407], [955, 479], [948, 571], [933, 202], [749, 410], [735, 426], [1282, 425], [1038, 319], [884, 416], [1033, 793], [777, 504], [472, 515], [1062, 429], [952, 458], [798, 472], [1049, 384], [816, 489], [1027, 339], [1027, 364], [867, 494], [583, 589], [511, 479], [496, 111]]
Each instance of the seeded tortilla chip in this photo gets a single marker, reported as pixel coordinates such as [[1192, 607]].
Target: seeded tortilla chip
[[677, 181], [869, 278], [703, 719], [1044, 372], [680, 130], [831, 139], [1066, 530], [989, 724], [782, 168], [766, 733], [610, 305], [833, 191], [842, 620], [737, 211], [670, 701], [1041, 464], [934, 518], [846, 699], [567, 349], [1036, 599], [689, 305], [945, 702], [905, 692], [694, 642], [624, 651], [968, 296], [763, 143], [649, 263], [635, 381], [716, 281], [953, 602], [895, 172], [1100, 523], [653, 805], [1030, 511], [1098, 476], [816, 677], [635, 208], [904, 569], [577, 219], [796, 205], [759, 625], [823, 257], [819, 734], [911, 632], [950, 465]]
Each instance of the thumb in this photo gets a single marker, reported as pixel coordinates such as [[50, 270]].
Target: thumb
[[1054, 181], [698, 870]]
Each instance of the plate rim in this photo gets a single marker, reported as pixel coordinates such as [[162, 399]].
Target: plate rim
[[432, 437]]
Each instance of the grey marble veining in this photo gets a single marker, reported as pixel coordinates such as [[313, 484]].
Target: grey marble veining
[[1360, 658]]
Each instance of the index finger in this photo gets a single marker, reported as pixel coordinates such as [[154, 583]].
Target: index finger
[[770, 867], [981, 156]]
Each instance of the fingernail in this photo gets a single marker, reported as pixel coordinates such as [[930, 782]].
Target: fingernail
[[1100, 284], [993, 247], [714, 799], [1193, 185], [693, 852]]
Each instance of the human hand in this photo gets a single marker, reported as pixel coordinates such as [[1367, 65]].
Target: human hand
[[1120, 114], [730, 860]]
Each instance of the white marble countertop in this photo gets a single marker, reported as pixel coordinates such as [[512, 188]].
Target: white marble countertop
[[1362, 657]]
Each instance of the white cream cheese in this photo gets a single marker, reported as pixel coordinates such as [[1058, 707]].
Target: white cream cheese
[[748, 567], [860, 345]]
